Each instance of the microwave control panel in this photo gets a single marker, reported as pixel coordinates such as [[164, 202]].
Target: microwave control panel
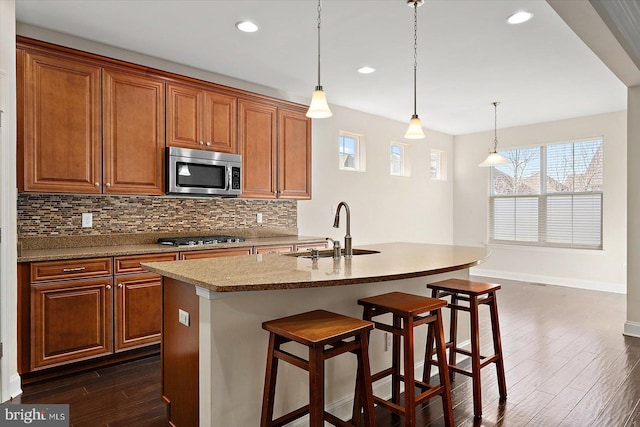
[[235, 178]]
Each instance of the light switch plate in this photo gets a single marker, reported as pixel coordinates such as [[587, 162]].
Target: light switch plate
[[87, 220], [259, 218], [183, 317]]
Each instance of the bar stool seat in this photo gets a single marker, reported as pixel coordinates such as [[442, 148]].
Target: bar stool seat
[[324, 333], [408, 312], [476, 294]]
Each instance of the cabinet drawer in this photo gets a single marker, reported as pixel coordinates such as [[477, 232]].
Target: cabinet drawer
[[274, 249], [70, 269], [306, 246], [215, 253], [131, 264]]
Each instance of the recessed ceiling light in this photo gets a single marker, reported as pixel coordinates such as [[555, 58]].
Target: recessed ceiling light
[[247, 26], [366, 70], [519, 17]]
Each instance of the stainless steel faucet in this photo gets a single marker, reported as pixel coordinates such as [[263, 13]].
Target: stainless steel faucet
[[348, 249]]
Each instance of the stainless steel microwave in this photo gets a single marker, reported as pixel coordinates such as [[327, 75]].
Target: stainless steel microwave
[[204, 173]]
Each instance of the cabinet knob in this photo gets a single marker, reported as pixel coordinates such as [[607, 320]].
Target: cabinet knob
[[208, 143], [108, 184], [201, 142], [119, 285], [97, 184], [108, 287]]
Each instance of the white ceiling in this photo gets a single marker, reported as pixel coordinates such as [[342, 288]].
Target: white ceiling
[[468, 56]]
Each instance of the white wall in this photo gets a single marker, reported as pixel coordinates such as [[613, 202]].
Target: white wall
[[603, 270], [632, 325], [9, 379], [384, 208]]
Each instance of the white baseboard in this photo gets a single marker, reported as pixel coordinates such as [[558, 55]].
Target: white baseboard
[[632, 329], [15, 389], [342, 408], [618, 288]]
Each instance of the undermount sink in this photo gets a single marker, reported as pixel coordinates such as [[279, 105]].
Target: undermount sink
[[328, 253]]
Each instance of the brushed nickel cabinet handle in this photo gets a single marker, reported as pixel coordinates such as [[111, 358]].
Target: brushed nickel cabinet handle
[[108, 184], [208, 143], [120, 286], [71, 270], [201, 142], [97, 184]]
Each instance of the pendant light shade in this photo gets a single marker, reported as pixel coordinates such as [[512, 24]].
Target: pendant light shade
[[415, 126], [319, 109], [494, 158]]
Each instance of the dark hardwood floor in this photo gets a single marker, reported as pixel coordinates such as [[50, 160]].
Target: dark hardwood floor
[[567, 364]]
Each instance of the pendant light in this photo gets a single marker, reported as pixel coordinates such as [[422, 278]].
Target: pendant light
[[415, 127], [494, 158], [319, 109]]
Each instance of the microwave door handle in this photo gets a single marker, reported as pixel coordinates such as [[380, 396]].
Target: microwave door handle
[[228, 187]]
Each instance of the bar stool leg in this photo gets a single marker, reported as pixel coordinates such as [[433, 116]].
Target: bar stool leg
[[428, 355], [475, 356], [364, 375], [409, 375], [316, 387], [497, 345], [453, 335], [270, 381], [447, 406], [395, 376]]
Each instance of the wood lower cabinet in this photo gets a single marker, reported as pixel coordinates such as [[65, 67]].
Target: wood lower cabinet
[[200, 118], [58, 124], [71, 321], [137, 310]]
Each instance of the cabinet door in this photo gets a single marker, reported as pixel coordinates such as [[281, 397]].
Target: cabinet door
[[274, 249], [60, 125], [133, 134], [257, 140], [220, 122], [71, 321], [138, 310], [184, 117], [294, 155], [215, 253]]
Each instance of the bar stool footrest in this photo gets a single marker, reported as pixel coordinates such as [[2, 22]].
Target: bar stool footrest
[[291, 416]]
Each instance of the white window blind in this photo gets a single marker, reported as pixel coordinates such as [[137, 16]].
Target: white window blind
[[549, 195]]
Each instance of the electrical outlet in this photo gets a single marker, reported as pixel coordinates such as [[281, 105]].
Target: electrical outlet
[[183, 317], [87, 220], [259, 218]]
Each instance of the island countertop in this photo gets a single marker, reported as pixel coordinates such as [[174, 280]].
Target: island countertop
[[281, 271]]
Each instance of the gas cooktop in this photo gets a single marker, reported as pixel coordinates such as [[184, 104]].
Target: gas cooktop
[[199, 240]]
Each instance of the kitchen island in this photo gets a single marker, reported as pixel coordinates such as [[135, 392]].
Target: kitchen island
[[213, 345]]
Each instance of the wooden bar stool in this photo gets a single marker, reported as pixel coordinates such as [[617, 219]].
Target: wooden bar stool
[[324, 333], [407, 310], [476, 294]]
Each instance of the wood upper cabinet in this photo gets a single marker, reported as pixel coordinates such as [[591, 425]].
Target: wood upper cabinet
[[257, 142], [276, 151], [133, 133], [71, 321], [294, 155], [59, 124], [201, 119]]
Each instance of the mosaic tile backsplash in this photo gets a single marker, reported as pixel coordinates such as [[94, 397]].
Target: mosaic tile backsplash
[[61, 214]]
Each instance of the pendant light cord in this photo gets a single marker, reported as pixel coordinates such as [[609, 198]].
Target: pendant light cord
[[415, 55], [319, 20]]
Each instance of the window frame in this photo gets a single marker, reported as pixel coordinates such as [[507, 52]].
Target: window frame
[[405, 165], [543, 197], [358, 151]]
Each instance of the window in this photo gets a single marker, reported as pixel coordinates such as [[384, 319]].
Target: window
[[351, 151], [438, 165], [549, 195], [399, 159]]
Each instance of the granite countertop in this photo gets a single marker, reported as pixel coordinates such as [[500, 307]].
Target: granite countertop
[[281, 271], [113, 248]]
